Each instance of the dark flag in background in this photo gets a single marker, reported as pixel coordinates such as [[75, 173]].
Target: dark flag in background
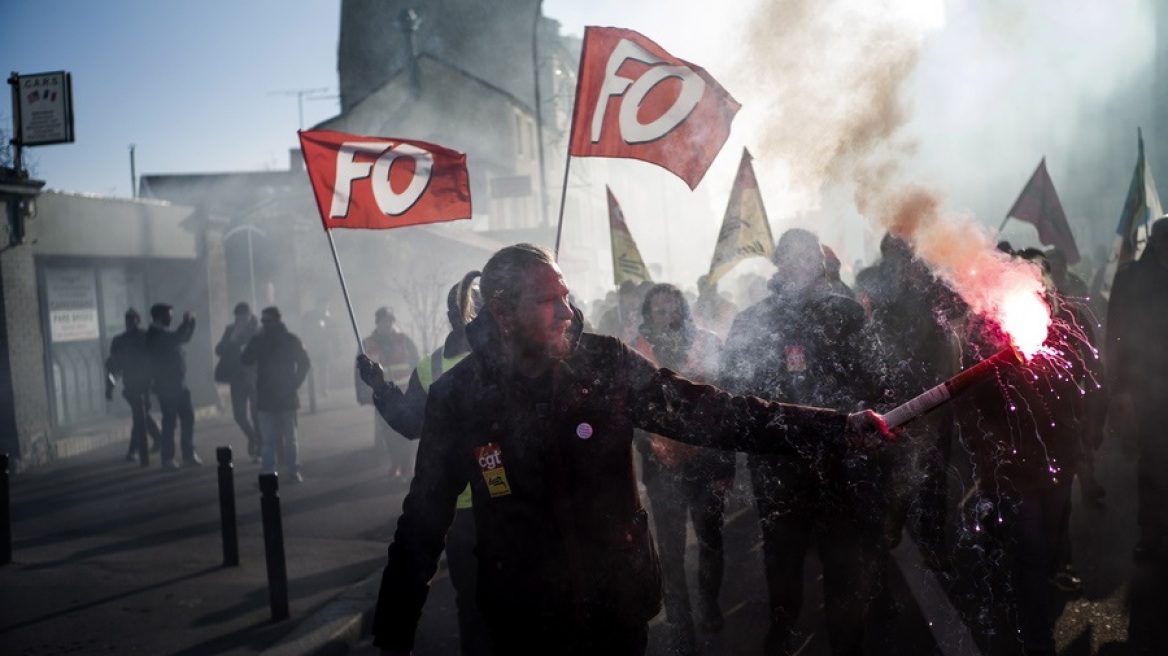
[[1140, 208], [1038, 204]]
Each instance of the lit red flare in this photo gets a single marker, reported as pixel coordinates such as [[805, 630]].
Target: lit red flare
[[946, 391]]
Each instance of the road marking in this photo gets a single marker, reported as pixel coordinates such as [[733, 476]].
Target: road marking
[[949, 631]]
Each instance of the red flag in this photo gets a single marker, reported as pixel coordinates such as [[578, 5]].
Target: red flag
[[1039, 204], [379, 182], [635, 100]]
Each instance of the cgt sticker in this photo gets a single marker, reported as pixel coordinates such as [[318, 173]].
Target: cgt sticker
[[490, 459]]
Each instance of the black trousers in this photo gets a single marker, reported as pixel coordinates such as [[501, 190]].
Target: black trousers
[[141, 424], [243, 409], [473, 636], [848, 549], [177, 409], [674, 496]]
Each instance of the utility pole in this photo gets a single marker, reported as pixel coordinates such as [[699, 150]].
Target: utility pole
[[300, 95], [133, 175]]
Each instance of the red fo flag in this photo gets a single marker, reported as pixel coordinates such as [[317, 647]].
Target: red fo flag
[[1039, 204], [635, 100], [378, 182]]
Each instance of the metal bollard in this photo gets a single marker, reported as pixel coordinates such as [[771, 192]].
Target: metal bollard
[[5, 513], [227, 507], [274, 546]]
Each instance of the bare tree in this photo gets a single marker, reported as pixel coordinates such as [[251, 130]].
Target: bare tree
[[423, 290]]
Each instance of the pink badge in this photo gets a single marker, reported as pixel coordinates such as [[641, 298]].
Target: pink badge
[[584, 431]]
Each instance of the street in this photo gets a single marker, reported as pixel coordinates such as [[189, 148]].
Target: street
[[110, 557]]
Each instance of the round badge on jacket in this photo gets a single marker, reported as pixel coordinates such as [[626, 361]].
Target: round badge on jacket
[[584, 431]]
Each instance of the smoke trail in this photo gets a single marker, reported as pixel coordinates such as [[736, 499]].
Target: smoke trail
[[835, 74]]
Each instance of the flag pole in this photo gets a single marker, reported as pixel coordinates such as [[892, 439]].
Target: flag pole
[[1001, 227], [345, 291], [563, 198]]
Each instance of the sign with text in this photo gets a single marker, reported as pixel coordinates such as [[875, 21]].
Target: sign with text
[[42, 108], [72, 301]]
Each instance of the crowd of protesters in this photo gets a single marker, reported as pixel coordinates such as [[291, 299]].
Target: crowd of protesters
[[530, 367]]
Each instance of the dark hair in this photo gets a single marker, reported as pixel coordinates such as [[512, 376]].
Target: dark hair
[[663, 289], [384, 313], [133, 314], [464, 301], [242, 308], [159, 310], [506, 268], [271, 310]]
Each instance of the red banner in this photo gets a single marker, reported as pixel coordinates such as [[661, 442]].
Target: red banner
[[378, 182], [637, 101]]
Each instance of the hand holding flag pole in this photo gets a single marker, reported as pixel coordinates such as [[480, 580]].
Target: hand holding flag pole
[[379, 183]]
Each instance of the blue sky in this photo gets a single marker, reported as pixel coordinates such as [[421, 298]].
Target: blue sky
[[193, 85]]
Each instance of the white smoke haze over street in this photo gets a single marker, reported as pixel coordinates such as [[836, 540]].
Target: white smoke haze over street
[[850, 106]]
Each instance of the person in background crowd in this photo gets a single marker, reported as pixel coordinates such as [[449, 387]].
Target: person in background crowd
[[916, 319], [317, 329], [396, 353], [539, 420], [621, 320], [281, 367], [404, 413], [241, 378], [806, 344], [168, 367], [681, 479], [1074, 293], [712, 311], [1025, 460], [1137, 370], [129, 359]]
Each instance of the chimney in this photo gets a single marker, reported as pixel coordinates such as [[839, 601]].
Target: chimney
[[408, 22]]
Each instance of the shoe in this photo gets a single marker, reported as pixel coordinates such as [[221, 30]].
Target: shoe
[[297, 478], [169, 465], [193, 461], [1066, 580]]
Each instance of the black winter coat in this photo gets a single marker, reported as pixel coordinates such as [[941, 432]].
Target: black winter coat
[[168, 364], [129, 359], [812, 349], [230, 369], [560, 528], [281, 367]]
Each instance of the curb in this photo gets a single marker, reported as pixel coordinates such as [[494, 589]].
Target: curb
[[334, 629]]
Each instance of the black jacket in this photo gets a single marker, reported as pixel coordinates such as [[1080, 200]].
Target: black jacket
[[129, 359], [168, 363], [1137, 323], [560, 528], [281, 367], [812, 349]]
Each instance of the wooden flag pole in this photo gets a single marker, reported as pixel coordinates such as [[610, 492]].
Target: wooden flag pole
[[345, 291], [563, 199]]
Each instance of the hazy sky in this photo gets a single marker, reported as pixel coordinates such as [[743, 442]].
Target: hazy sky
[[197, 86]]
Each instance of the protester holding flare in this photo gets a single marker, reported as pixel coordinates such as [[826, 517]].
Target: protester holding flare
[[539, 420], [1026, 427]]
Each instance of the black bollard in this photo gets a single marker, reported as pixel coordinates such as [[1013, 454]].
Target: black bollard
[[5, 514], [274, 546], [227, 507]]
